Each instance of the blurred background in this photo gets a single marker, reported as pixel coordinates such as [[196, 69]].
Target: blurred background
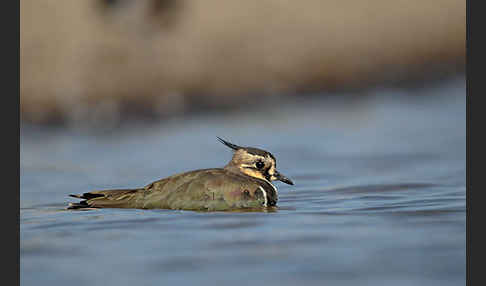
[[363, 103], [108, 60]]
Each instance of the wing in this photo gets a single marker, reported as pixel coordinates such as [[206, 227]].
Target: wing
[[209, 189]]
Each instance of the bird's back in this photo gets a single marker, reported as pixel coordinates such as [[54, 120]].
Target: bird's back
[[207, 189]]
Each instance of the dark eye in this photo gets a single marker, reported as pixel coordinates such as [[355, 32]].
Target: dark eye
[[259, 164]]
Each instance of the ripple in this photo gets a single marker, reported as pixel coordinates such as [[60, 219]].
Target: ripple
[[382, 188], [379, 198]]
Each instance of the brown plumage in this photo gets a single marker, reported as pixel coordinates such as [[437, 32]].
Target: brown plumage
[[245, 182]]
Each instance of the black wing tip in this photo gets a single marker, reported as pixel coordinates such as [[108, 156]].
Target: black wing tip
[[87, 196], [84, 205], [76, 206]]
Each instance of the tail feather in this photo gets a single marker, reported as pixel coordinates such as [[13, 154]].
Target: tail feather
[[81, 205], [87, 196], [103, 199]]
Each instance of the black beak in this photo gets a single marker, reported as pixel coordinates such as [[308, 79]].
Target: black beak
[[282, 178]]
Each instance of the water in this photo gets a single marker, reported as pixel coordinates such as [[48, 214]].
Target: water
[[379, 197]]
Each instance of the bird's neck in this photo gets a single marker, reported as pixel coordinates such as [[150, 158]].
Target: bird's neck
[[233, 168]]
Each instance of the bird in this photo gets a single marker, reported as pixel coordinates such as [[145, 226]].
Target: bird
[[244, 183]]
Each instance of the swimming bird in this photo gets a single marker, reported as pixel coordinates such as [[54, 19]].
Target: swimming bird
[[245, 182]]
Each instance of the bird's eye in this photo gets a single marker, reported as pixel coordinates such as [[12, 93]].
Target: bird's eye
[[259, 164]]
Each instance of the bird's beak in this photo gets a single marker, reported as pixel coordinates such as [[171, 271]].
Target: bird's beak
[[282, 178]]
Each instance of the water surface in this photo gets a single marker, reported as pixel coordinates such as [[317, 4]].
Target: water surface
[[379, 197]]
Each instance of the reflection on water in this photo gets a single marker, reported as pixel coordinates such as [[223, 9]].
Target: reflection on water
[[379, 198]]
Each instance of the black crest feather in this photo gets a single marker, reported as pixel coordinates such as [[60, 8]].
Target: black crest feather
[[231, 145], [251, 150]]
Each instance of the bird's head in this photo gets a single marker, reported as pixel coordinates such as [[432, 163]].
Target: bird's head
[[254, 162]]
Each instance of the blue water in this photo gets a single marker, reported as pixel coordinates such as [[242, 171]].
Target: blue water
[[379, 196]]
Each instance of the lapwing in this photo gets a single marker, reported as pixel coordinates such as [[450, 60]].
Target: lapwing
[[244, 183]]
